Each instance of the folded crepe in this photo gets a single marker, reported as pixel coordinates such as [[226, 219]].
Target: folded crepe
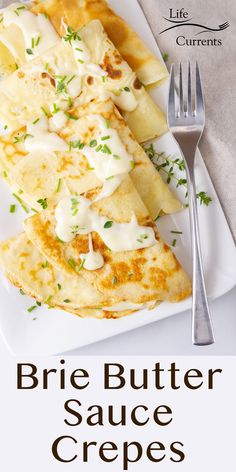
[[45, 173], [79, 68], [27, 268], [134, 275], [76, 13]]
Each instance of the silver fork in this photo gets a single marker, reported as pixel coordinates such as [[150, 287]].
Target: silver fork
[[187, 124]]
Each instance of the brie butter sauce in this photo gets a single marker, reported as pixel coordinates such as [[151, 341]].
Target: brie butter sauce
[[37, 30]]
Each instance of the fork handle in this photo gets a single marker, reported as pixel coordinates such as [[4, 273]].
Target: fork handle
[[202, 332]]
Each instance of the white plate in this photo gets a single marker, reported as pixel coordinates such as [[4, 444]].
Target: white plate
[[55, 331]]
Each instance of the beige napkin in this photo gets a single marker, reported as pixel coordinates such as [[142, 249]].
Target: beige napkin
[[218, 71]]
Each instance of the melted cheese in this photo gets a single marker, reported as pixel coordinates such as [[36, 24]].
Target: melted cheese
[[92, 260], [40, 138], [37, 30], [75, 216]]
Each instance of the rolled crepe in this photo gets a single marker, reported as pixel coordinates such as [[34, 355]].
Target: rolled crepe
[[43, 81], [149, 69], [134, 276], [53, 175]]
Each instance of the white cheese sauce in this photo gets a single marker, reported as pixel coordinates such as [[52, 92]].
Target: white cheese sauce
[[37, 30], [38, 137], [92, 260], [75, 216]]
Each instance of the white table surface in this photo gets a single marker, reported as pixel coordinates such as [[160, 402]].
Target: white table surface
[[171, 336]]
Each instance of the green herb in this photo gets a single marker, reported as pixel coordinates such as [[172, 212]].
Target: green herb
[[21, 291], [56, 109], [71, 117], [12, 208], [114, 280], [126, 89], [43, 202], [204, 198], [37, 41], [4, 174], [165, 56], [107, 123], [59, 185], [17, 67], [81, 265], [93, 143], [32, 43], [176, 232], [70, 102], [132, 165], [45, 265], [74, 206], [21, 203], [1, 19], [99, 148], [32, 308], [29, 51], [115, 156], [142, 237], [20, 192], [110, 178], [46, 112], [105, 149], [174, 242], [18, 9], [48, 299], [70, 80], [22, 138], [61, 86], [103, 78], [169, 165], [108, 224], [104, 138], [5, 127], [59, 286], [39, 303], [67, 300], [71, 35], [46, 66], [76, 144], [72, 263], [36, 121], [80, 60]]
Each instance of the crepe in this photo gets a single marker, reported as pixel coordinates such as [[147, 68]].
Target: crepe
[[38, 173], [151, 273], [27, 269], [53, 78], [149, 69]]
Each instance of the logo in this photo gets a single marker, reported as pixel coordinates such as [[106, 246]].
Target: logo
[[180, 19]]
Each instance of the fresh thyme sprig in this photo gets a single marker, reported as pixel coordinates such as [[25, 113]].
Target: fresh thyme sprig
[[168, 165]]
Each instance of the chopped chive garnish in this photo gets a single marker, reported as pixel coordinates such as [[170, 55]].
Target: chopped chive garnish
[[115, 156], [71, 117], [48, 299], [174, 242], [12, 208], [37, 41], [46, 66], [4, 174], [72, 263], [132, 165], [5, 127], [29, 51], [36, 121], [32, 308], [99, 148], [67, 300], [46, 112], [177, 232], [107, 123], [106, 149], [59, 286], [21, 203], [70, 80], [80, 60], [104, 138], [110, 178], [93, 143], [56, 109], [21, 291], [43, 203], [59, 185], [20, 192], [81, 265], [32, 43], [126, 89], [39, 303], [44, 265], [108, 224], [103, 78]]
